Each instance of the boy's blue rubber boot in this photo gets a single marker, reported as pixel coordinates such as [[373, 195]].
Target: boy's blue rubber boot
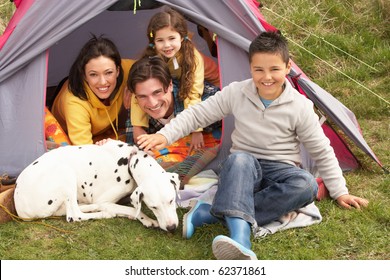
[[238, 245], [198, 215]]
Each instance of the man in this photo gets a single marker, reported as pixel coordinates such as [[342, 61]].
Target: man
[[157, 95]]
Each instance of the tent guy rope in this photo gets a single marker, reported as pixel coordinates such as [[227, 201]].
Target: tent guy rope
[[327, 63]]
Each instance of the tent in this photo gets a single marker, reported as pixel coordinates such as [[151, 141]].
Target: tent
[[43, 37]]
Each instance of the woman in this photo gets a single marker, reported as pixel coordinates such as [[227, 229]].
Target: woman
[[90, 103]]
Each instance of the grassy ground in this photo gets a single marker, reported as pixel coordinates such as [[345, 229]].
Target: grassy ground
[[359, 28], [6, 11]]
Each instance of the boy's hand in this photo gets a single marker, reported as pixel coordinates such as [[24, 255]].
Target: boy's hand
[[148, 142], [348, 201]]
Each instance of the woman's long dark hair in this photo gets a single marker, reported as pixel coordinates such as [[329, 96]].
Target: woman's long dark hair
[[95, 47]]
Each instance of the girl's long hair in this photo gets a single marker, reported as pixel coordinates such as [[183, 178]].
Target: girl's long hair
[[173, 19]]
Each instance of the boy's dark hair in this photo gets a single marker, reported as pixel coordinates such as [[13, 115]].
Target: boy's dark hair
[[147, 68], [95, 47], [270, 42]]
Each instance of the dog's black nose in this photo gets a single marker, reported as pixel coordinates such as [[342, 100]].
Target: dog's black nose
[[171, 228]]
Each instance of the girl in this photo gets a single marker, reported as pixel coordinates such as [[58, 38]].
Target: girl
[[89, 103], [168, 38]]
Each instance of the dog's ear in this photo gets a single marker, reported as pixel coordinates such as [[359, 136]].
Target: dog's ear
[[175, 181], [133, 151], [136, 200]]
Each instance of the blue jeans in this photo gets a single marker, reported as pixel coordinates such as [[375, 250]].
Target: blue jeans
[[261, 191]]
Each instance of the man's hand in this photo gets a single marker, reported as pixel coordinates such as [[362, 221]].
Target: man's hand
[[148, 142], [137, 131]]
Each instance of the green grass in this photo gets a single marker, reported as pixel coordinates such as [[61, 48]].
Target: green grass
[[359, 28], [6, 11]]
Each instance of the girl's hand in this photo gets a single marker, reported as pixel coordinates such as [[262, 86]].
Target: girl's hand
[[197, 141], [348, 201]]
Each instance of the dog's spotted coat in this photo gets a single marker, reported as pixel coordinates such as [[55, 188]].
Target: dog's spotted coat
[[85, 182]]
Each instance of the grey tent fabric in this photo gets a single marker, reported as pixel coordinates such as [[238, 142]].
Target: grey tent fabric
[[24, 58], [35, 34], [234, 37], [40, 50], [337, 112], [21, 130], [218, 15], [23, 69]]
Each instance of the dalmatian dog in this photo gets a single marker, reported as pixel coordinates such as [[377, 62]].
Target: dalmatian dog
[[141, 164], [86, 182]]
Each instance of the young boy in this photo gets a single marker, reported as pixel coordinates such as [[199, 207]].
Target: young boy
[[261, 180]]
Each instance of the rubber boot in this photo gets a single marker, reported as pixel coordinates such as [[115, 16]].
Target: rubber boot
[[198, 215], [238, 245]]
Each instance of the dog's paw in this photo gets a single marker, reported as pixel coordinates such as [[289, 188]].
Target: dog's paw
[[148, 222], [151, 224], [71, 219], [154, 224], [108, 215]]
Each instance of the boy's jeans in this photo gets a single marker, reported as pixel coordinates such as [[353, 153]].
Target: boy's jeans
[[261, 190]]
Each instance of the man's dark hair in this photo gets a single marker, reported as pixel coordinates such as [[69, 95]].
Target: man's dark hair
[[147, 68]]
